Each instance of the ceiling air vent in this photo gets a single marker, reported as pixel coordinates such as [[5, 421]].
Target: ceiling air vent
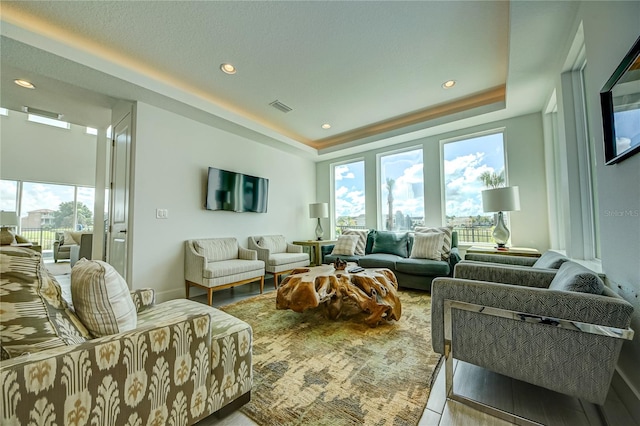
[[279, 105]]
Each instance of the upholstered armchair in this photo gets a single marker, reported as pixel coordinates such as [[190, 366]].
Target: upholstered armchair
[[63, 243], [279, 256], [219, 263], [562, 330]]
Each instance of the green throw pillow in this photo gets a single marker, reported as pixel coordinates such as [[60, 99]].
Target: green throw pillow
[[391, 243]]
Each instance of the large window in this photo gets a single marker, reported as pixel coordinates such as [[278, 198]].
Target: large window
[[401, 189], [469, 165], [349, 195]]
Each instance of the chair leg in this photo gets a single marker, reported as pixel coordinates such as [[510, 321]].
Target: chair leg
[[210, 295], [261, 284], [186, 283], [275, 280]]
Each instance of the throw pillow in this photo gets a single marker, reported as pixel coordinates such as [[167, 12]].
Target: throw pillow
[[574, 277], [391, 243], [34, 316], [428, 246], [550, 260], [275, 243], [346, 245], [447, 231], [68, 239], [101, 298], [362, 239]]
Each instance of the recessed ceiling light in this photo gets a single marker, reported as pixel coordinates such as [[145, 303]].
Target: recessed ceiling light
[[449, 84], [326, 126], [228, 69], [24, 83]]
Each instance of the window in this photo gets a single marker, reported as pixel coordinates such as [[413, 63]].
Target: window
[[9, 195], [465, 162], [4, 111], [48, 121], [349, 200], [401, 189], [92, 131]]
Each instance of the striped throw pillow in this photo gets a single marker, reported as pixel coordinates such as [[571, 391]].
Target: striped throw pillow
[[101, 298], [446, 230], [362, 239], [346, 245], [428, 246]]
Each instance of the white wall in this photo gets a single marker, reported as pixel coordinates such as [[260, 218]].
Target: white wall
[[172, 155], [41, 153], [525, 165], [610, 30]]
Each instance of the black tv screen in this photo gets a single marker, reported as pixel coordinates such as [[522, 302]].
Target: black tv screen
[[236, 192]]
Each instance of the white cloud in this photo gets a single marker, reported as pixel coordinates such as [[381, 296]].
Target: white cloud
[[342, 172]]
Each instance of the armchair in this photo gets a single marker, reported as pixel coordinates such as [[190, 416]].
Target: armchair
[[63, 243], [279, 256], [219, 263], [561, 330]]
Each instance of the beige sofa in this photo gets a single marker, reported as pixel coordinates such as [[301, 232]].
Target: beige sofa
[[182, 362]]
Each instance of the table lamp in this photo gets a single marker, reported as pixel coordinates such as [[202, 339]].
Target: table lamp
[[319, 211], [501, 200], [7, 220]]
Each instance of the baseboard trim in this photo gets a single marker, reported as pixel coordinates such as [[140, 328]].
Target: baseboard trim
[[628, 394]]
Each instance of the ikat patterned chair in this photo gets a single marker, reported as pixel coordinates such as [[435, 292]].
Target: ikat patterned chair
[[182, 362], [561, 330]]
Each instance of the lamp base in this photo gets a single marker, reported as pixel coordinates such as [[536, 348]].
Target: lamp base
[[500, 232], [319, 231]]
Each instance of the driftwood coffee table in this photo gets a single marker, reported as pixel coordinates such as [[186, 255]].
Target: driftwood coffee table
[[373, 291]]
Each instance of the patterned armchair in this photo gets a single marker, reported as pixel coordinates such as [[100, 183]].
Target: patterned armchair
[[279, 256], [562, 330], [182, 362]]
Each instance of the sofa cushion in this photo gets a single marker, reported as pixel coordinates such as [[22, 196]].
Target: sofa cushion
[[330, 258], [427, 246], [101, 298], [278, 259], [362, 239], [216, 249], [34, 316], [370, 238], [225, 268], [448, 237], [379, 260], [424, 267], [574, 277], [550, 260], [346, 245], [391, 242], [274, 243]]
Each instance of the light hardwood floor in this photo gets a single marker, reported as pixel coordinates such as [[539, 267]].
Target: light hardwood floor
[[539, 404]]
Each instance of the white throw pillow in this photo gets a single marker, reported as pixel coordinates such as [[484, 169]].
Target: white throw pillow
[[362, 239], [346, 245], [447, 231], [101, 298], [427, 246], [69, 239]]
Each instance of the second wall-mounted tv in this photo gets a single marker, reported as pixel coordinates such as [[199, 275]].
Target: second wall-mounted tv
[[232, 191]]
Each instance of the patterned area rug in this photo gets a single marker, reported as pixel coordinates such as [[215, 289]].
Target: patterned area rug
[[311, 370]]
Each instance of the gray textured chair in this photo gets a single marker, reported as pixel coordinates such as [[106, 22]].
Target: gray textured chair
[[279, 256], [562, 330], [549, 259], [218, 263]]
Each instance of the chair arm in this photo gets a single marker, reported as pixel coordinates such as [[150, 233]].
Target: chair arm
[[247, 254], [504, 260], [143, 298], [89, 375], [505, 274], [194, 264], [454, 258], [572, 306], [263, 253], [293, 248]]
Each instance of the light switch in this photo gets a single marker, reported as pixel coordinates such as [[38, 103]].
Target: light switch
[[162, 214]]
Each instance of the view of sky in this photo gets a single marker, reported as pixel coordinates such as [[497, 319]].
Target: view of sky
[[37, 196], [464, 162]]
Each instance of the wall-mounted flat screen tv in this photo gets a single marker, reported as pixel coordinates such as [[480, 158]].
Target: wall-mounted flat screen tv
[[237, 192]]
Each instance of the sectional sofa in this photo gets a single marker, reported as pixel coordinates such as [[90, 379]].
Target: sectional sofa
[[394, 250]]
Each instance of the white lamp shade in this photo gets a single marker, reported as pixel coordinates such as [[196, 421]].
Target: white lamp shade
[[319, 210], [8, 219], [501, 199]]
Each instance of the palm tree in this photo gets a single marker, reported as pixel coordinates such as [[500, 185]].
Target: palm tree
[[492, 179], [390, 184]]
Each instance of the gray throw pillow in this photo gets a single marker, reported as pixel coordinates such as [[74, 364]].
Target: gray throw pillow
[[550, 260], [391, 243], [574, 277]]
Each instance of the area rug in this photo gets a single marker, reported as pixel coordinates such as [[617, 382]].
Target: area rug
[[308, 369]]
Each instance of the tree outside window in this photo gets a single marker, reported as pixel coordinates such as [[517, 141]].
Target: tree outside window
[[401, 187]]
